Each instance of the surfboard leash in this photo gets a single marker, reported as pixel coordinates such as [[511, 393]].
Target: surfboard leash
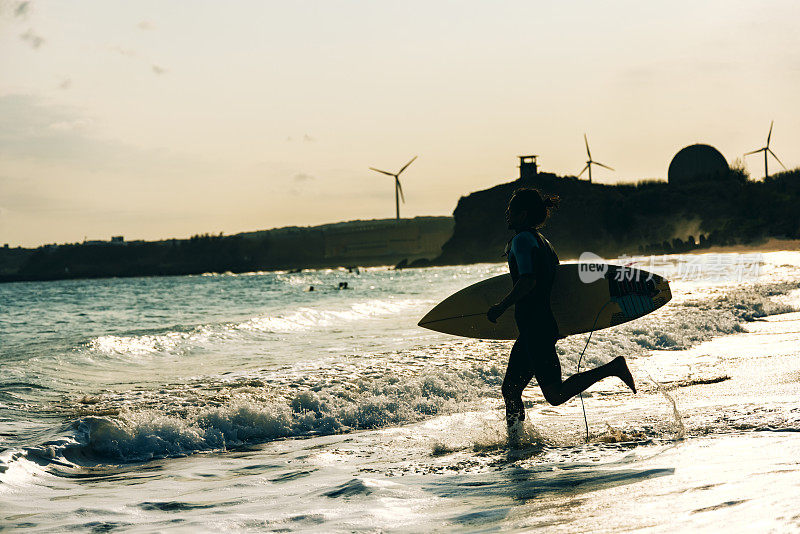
[[462, 316], [583, 407]]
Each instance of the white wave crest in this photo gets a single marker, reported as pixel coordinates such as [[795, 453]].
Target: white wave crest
[[149, 434], [309, 318], [302, 319]]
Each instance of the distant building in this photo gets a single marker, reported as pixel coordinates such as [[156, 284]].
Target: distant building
[[528, 169], [696, 163], [118, 240]]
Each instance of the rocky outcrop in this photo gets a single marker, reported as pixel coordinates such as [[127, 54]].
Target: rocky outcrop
[[648, 217]]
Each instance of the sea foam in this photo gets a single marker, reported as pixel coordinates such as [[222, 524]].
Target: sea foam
[[137, 435]]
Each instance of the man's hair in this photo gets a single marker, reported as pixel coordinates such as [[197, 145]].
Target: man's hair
[[532, 201]]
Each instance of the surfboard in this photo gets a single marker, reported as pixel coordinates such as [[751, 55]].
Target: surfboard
[[585, 296]]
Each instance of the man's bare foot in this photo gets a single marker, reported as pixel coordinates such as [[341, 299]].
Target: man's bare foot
[[623, 372]]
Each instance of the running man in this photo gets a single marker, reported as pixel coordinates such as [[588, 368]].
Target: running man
[[533, 263]]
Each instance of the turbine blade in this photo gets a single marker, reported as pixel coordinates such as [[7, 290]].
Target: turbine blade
[[770, 132], [776, 158], [754, 151], [583, 171], [384, 172], [585, 140], [406, 165], [605, 166], [400, 188]]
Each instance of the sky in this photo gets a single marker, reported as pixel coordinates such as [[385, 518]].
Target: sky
[[166, 118]]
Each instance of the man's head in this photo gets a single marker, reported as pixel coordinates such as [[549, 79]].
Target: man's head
[[527, 209]]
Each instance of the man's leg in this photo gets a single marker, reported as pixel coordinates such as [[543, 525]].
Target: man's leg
[[559, 393], [518, 375]]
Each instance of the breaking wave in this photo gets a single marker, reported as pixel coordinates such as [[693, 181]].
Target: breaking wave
[[248, 418]]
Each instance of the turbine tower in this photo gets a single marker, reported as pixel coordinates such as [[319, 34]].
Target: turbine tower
[[398, 189], [767, 150], [590, 161]]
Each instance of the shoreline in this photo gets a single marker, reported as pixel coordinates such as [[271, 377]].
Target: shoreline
[[772, 244]]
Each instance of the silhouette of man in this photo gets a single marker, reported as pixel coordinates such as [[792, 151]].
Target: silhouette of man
[[533, 263]]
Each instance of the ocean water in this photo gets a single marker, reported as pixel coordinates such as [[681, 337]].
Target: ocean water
[[247, 403]]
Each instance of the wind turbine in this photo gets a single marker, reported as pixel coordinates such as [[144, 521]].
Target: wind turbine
[[590, 161], [398, 189], [767, 150]]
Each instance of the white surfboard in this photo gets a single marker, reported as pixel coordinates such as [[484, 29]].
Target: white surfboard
[[584, 297]]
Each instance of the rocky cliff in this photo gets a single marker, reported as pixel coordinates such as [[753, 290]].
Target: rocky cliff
[[649, 217]]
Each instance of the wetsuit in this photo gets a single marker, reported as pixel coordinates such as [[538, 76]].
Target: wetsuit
[[534, 352]]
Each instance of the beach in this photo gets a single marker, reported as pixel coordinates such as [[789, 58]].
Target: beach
[[244, 402]]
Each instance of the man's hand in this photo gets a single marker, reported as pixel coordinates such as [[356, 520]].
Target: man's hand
[[495, 312]]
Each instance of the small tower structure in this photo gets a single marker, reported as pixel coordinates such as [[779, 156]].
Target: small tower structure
[[528, 168]]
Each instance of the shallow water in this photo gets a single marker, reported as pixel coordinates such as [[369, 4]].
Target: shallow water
[[245, 402]]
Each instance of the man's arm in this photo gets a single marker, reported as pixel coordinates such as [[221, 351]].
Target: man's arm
[[524, 285]]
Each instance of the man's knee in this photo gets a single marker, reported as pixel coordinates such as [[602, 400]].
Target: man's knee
[[553, 395], [512, 389]]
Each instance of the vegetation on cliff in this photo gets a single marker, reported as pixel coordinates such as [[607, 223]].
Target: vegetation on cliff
[[200, 253], [647, 217]]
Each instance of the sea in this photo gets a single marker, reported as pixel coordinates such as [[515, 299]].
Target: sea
[[247, 403]]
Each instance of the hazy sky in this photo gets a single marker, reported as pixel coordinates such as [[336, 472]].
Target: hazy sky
[[161, 118]]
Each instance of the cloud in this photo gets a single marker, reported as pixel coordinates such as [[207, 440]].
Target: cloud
[[22, 9], [70, 125], [33, 131], [35, 41], [127, 52], [301, 186], [58, 165], [146, 25], [306, 139], [158, 70], [66, 83]]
